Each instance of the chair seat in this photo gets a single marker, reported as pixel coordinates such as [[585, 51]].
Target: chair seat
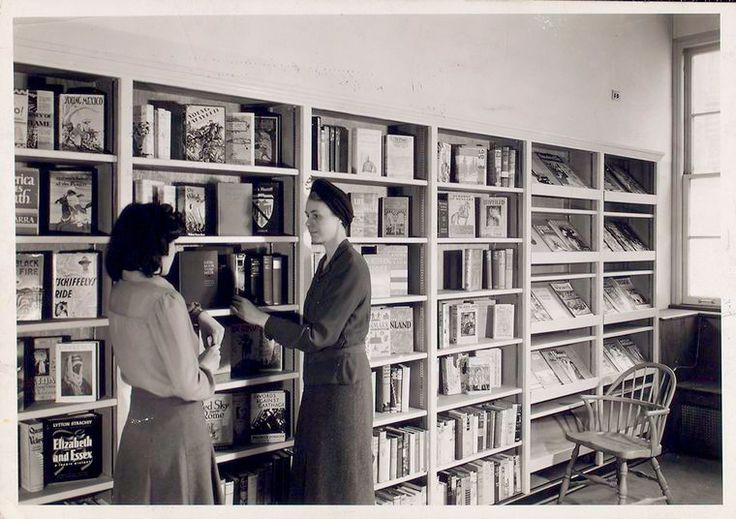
[[616, 444]]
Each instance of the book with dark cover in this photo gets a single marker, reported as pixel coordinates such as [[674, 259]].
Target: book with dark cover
[[72, 447], [204, 133], [316, 130], [268, 279], [269, 416], [267, 208], [81, 120], [191, 202], [70, 202], [279, 279], [343, 138], [27, 200], [254, 278], [29, 286], [218, 414], [268, 139], [452, 264], [443, 217], [251, 352], [234, 209], [178, 115], [195, 274], [75, 285], [24, 368]]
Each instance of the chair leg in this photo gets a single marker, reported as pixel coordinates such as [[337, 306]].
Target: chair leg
[[623, 491], [568, 474], [661, 480]]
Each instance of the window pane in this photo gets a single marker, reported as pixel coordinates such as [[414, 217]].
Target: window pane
[[704, 268], [703, 206], [705, 142], [705, 82]]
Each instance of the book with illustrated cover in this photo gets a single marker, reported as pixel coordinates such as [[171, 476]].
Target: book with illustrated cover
[[72, 447], [75, 287], [267, 139], [492, 214], [267, 208], [543, 372], [637, 300], [461, 215], [569, 234], [378, 340], [239, 138], [204, 133], [444, 161], [572, 300], [451, 374], [20, 117], [464, 323], [610, 182], [81, 122], [191, 201], [617, 354], [234, 209], [29, 286], [172, 114], [31, 455], [218, 414], [551, 303], [40, 120], [241, 417], [469, 164], [43, 372], [561, 171], [78, 371], [365, 215], [71, 202], [538, 311], [27, 200], [236, 264], [393, 215], [399, 156], [553, 240], [366, 147], [143, 131], [624, 178], [269, 421], [609, 367], [495, 358], [476, 374], [402, 329]]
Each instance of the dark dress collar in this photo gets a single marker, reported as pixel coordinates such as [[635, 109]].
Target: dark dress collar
[[341, 249]]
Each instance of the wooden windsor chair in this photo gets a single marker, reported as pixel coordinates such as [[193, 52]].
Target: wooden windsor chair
[[627, 422]]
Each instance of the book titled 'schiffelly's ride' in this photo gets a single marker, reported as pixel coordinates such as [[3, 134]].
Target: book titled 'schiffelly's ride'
[[75, 288], [72, 447]]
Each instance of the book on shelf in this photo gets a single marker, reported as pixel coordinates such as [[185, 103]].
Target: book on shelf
[[267, 141], [502, 321], [173, 115], [70, 201], [399, 156], [398, 256], [81, 121], [472, 275], [78, 370], [204, 133], [543, 372], [444, 161], [145, 191], [399, 392], [218, 415], [379, 266], [553, 165], [610, 241], [29, 286], [367, 153], [22, 368], [365, 215], [632, 349], [445, 439], [393, 216], [269, 416], [234, 208], [575, 304], [443, 216], [492, 215], [469, 164], [27, 200], [75, 287], [195, 274], [557, 362], [569, 234], [624, 179], [31, 455], [247, 351], [464, 323], [554, 241], [143, 131], [402, 329], [383, 389], [268, 208], [40, 122], [476, 374], [72, 447], [20, 117], [460, 214], [161, 133], [378, 339], [240, 138], [191, 202], [550, 302], [451, 374], [615, 297]]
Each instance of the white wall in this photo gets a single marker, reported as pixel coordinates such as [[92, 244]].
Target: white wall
[[549, 73], [689, 24]]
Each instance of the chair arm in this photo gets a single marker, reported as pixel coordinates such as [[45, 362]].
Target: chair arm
[[624, 400]]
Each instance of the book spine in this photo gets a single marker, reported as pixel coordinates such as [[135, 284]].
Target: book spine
[[509, 270], [268, 279], [278, 273], [443, 219], [316, 142]]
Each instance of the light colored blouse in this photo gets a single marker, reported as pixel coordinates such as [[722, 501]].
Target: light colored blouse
[[153, 339]]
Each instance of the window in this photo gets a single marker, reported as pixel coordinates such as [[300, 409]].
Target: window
[[698, 178]]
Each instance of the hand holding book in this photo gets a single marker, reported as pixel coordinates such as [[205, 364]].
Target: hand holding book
[[248, 312], [212, 331]]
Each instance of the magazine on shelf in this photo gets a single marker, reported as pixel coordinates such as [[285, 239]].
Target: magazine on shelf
[[554, 241], [616, 297], [624, 178], [637, 300], [537, 243], [559, 169], [569, 234], [572, 300], [610, 182], [538, 311], [543, 372], [551, 303]]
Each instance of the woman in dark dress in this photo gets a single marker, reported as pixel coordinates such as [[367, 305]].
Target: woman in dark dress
[[332, 448]]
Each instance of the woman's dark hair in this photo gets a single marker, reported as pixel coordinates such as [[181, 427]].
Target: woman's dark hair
[[140, 236]]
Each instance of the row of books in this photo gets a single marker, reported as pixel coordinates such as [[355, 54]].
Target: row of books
[[223, 208], [60, 449], [374, 215], [465, 373], [478, 269], [363, 151], [470, 430], [620, 295], [398, 452], [55, 200], [260, 482], [391, 331], [57, 285], [404, 494], [392, 388], [557, 366], [479, 165], [619, 354], [466, 322], [616, 178], [556, 300], [463, 215], [206, 133], [618, 236], [244, 418], [485, 481], [552, 169], [389, 268], [57, 369], [556, 235], [46, 118]]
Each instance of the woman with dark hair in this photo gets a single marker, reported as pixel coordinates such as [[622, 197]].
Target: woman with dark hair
[[165, 454], [332, 448]]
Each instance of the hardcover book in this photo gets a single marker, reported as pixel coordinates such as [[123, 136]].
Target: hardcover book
[[241, 417], [615, 297], [145, 191], [380, 267], [29, 286], [537, 243], [196, 276], [72, 447], [43, 351], [366, 148], [492, 214], [162, 133], [461, 215], [20, 117], [378, 340], [22, 368], [569, 234], [31, 455], [578, 365], [476, 375], [75, 288], [444, 161], [234, 209], [399, 156], [472, 269], [572, 300], [451, 374], [267, 208], [393, 216], [191, 202], [143, 130], [558, 362], [267, 139], [40, 120], [71, 202], [240, 138], [176, 123], [27, 200], [365, 215], [204, 127], [399, 276], [82, 122], [77, 366], [251, 351], [469, 164], [443, 217], [502, 322], [268, 416], [402, 329], [464, 323], [632, 349], [218, 414]]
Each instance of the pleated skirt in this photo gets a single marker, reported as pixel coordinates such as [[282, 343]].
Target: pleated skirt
[[165, 454], [332, 447]]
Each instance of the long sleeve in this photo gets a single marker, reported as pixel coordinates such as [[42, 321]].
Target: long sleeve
[[349, 286], [177, 346]]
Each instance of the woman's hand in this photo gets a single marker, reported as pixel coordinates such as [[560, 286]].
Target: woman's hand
[[248, 312], [209, 359], [212, 331]]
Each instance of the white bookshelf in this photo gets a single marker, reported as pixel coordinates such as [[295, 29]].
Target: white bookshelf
[[63, 157], [211, 167], [69, 490]]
